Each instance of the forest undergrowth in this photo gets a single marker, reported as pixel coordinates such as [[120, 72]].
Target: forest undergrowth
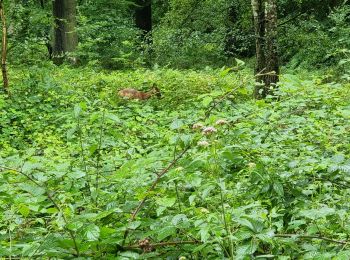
[[204, 172]]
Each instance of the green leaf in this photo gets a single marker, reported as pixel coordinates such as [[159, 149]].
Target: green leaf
[[207, 100], [204, 234], [166, 202], [92, 232], [160, 210], [130, 255], [77, 110], [134, 225], [278, 187], [166, 232], [24, 210], [176, 124], [75, 225], [243, 234], [179, 218], [32, 189], [76, 174], [239, 62], [317, 213], [113, 118], [247, 249], [225, 72]]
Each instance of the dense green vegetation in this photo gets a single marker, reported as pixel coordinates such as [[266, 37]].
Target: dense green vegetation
[[203, 172], [79, 160]]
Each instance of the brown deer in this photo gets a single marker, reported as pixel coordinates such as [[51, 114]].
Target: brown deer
[[132, 93]]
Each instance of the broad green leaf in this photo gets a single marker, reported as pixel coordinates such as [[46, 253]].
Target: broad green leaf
[[247, 249], [166, 232], [207, 100], [243, 234], [176, 124], [179, 218], [134, 225], [24, 210], [32, 189], [130, 255], [278, 188], [77, 110], [76, 174], [204, 234], [92, 232], [166, 202]]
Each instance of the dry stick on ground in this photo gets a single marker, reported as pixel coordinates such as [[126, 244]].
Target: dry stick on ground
[[49, 196], [4, 49]]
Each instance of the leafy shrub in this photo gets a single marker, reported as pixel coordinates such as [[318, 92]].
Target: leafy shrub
[[108, 36], [315, 43], [29, 26]]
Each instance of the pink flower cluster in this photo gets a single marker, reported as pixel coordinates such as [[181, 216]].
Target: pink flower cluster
[[209, 130], [221, 122]]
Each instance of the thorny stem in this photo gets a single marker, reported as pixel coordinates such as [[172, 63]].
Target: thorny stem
[[154, 184]]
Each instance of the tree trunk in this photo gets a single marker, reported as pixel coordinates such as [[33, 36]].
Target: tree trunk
[[265, 27], [143, 16], [272, 68], [65, 36], [259, 28], [4, 49]]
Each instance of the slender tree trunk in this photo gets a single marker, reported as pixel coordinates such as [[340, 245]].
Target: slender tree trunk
[[65, 36], [259, 28], [272, 66], [4, 49], [265, 26]]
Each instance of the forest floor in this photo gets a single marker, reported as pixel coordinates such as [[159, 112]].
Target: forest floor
[[259, 178]]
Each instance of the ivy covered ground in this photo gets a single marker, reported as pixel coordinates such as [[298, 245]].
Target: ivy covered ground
[[205, 172]]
